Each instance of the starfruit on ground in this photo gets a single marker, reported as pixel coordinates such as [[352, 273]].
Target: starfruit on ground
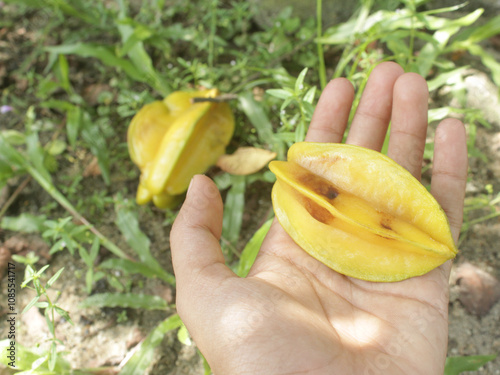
[[359, 212], [174, 139]]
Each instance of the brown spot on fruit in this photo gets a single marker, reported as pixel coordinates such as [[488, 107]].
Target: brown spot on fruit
[[384, 237], [317, 184], [317, 212], [385, 221]]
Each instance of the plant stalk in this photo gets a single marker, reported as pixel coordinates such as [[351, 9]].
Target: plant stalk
[[54, 193], [319, 33]]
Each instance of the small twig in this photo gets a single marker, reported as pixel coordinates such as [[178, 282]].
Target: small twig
[[217, 99], [14, 195]]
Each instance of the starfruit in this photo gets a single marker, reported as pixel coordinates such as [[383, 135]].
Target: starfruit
[[359, 212], [174, 139]]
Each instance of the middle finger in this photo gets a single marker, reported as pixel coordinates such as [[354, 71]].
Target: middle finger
[[372, 117]]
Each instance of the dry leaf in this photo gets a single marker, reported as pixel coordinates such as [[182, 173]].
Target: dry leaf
[[92, 169], [245, 161], [91, 92]]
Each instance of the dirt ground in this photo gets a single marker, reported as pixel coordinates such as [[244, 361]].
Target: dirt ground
[[105, 337]]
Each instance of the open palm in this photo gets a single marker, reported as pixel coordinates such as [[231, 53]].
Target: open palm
[[292, 314]]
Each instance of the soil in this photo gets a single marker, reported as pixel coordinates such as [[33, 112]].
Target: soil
[[105, 337]]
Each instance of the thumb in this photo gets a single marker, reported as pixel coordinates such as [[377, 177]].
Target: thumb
[[196, 253]]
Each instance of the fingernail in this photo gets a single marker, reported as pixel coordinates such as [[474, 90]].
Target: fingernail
[[191, 184]]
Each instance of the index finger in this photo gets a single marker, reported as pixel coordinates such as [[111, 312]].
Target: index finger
[[332, 112]]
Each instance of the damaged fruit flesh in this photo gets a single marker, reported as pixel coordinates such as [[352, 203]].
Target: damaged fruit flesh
[[359, 212]]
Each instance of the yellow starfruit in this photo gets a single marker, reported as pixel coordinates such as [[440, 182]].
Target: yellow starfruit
[[359, 212], [174, 139]]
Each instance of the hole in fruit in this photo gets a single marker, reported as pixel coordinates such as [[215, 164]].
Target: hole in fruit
[[317, 212]]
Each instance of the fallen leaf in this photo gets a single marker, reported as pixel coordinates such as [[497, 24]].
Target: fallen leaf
[[91, 92], [245, 161], [92, 169], [478, 290]]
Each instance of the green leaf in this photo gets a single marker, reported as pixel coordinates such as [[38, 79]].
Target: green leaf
[[309, 96], [139, 34], [24, 223], [54, 278], [10, 154], [128, 266], [57, 246], [475, 35], [441, 23], [141, 360], [139, 56], [445, 78], [85, 256], [105, 54], [92, 134], [56, 147], [36, 155], [299, 83], [223, 181], [339, 34], [30, 304], [63, 73], [64, 314], [252, 249], [488, 60], [49, 321], [94, 250], [127, 222], [42, 270], [457, 365], [257, 116], [73, 124], [280, 93], [125, 300], [437, 114], [183, 336], [14, 137], [53, 356], [233, 210], [89, 279], [115, 283], [26, 359]]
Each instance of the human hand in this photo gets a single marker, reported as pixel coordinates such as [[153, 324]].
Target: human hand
[[294, 315]]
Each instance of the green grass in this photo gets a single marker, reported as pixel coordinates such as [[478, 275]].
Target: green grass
[[134, 56]]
